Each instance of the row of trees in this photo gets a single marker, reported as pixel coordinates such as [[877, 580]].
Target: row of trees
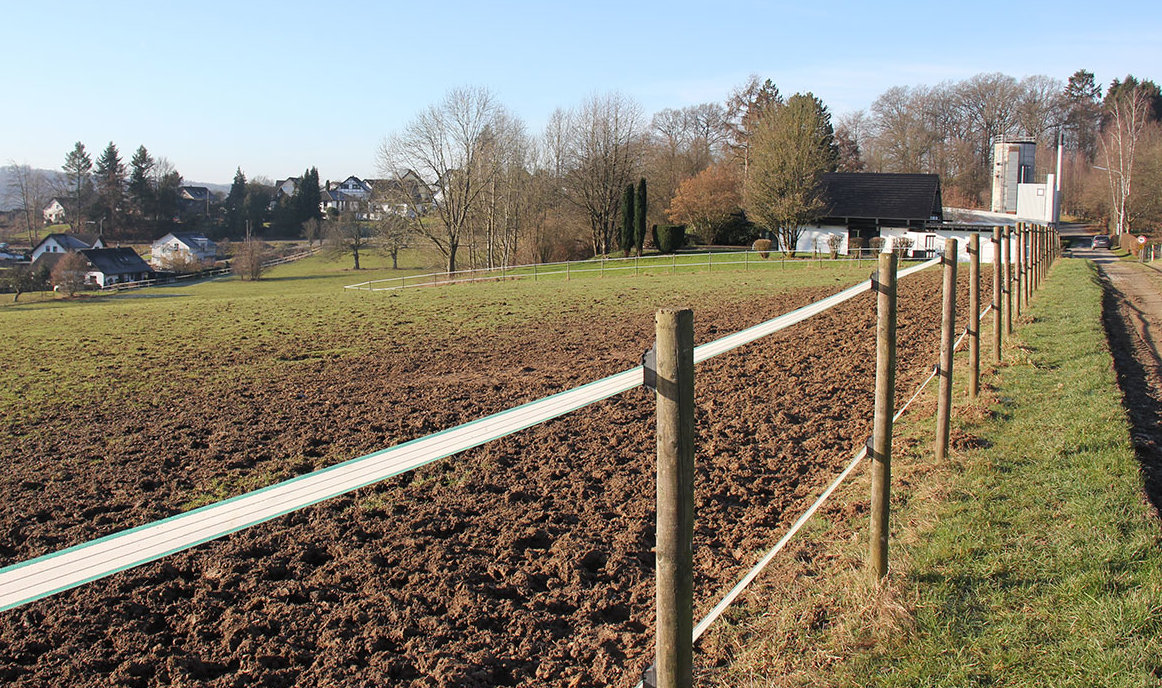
[[950, 129], [729, 171], [499, 191], [102, 196], [122, 201], [750, 165]]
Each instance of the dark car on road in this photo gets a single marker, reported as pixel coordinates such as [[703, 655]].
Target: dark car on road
[[1101, 241]]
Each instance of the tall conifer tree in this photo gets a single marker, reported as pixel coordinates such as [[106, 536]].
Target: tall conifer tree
[[627, 235], [641, 204]]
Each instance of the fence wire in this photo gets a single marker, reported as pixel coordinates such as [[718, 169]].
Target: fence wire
[[740, 587]]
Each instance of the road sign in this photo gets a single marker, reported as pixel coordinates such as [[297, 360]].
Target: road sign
[[1141, 240]]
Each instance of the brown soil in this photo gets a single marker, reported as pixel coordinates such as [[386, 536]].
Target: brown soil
[[525, 562]]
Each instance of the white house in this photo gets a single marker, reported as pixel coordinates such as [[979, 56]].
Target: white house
[[57, 210], [349, 195], [65, 243], [184, 247], [109, 266]]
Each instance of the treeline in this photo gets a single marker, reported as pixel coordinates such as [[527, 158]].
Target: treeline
[[146, 198], [749, 166], [467, 175], [949, 129]]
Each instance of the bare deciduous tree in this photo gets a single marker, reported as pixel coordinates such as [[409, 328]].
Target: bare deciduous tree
[[28, 190], [600, 155], [443, 144], [1127, 115]]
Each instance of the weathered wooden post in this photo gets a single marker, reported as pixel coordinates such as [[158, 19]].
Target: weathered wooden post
[[1028, 272], [881, 449], [973, 315], [947, 342], [998, 321], [1007, 271], [1019, 269], [674, 349], [1040, 256]]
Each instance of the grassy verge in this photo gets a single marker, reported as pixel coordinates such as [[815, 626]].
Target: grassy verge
[[1030, 559]]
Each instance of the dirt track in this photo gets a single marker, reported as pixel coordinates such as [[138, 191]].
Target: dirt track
[[525, 562], [1133, 319]]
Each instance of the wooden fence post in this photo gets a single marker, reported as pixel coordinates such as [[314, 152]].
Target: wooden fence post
[[998, 321], [1007, 271], [973, 315], [1028, 271], [1019, 269], [947, 341], [1040, 256], [675, 530], [881, 449]]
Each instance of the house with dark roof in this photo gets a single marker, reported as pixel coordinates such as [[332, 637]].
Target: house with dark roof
[[350, 195], [109, 266], [404, 194], [65, 243], [901, 209], [182, 247], [194, 201]]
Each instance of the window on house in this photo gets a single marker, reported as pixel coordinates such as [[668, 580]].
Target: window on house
[[930, 241]]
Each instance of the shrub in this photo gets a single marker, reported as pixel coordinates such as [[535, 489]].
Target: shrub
[[901, 245], [834, 242], [736, 231], [248, 261], [763, 246], [876, 244], [68, 275], [669, 238]]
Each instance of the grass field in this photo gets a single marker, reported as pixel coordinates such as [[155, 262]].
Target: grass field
[[124, 347], [1030, 559]]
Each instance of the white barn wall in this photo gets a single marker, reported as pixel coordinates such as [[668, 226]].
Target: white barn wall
[[920, 241]]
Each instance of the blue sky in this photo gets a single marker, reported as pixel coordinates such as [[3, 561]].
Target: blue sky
[[275, 87]]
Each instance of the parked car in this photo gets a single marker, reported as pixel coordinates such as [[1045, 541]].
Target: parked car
[[1101, 241]]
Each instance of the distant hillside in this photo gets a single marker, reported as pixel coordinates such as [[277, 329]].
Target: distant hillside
[[9, 202]]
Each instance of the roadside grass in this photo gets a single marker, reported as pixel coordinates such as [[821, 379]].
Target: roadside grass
[[1031, 558], [142, 348]]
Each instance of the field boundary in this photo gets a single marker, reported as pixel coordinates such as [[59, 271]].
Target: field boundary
[[601, 265]]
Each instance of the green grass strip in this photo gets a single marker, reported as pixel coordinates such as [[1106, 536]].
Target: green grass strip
[[1042, 567]]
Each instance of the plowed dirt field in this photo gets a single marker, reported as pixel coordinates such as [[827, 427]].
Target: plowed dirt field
[[527, 562]]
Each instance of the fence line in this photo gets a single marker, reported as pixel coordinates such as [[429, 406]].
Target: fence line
[[69, 568], [744, 583], [568, 269], [215, 272]]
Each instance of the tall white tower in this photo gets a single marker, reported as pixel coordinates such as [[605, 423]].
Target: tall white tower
[[1013, 159]]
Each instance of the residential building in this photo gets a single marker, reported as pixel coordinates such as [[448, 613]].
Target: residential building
[[58, 209], [183, 247], [65, 243], [109, 266], [194, 201]]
